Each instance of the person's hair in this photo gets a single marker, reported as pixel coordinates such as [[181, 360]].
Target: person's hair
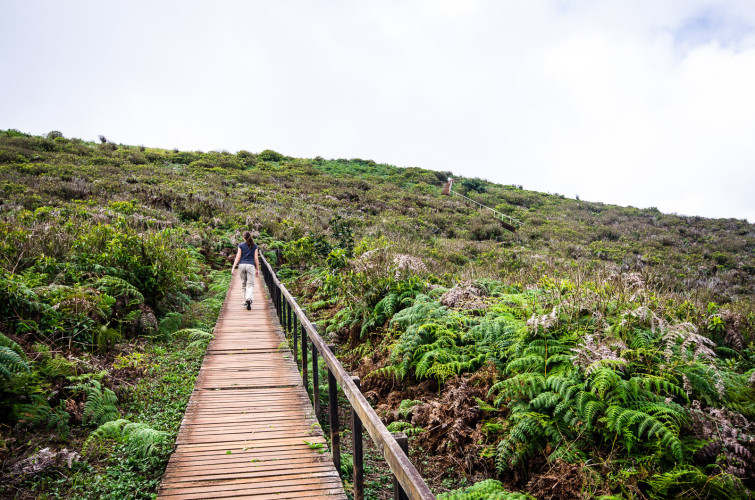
[[248, 238]]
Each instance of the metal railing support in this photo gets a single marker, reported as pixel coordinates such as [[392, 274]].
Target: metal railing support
[[289, 315], [403, 442], [304, 366], [358, 455], [295, 335], [335, 432], [315, 382]]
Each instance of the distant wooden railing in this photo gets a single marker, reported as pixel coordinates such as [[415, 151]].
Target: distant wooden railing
[[511, 223], [407, 481], [507, 221]]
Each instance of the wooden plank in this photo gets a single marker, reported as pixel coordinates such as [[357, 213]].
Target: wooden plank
[[304, 484], [259, 462], [288, 476], [276, 454]]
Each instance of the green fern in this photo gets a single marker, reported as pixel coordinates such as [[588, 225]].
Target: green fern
[[11, 363], [12, 345], [12, 358], [345, 320], [220, 282], [144, 441], [40, 413], [405, 407], [140, 439], [632, 425], [525, 438], [683, 479], [56, 366], [170, 323], [118, 287], [198, 339], [489, 489], [109, 431], [100, 403], [405, 427]]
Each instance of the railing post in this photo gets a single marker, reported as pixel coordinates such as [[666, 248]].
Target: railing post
[[315, 382], [304, 366], [358, 456], [335, 436], [284, 304], [403, 442], [277, 300], [289, 317], [296, 339]]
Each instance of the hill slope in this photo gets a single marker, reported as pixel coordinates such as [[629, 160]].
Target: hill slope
[[595, 334]]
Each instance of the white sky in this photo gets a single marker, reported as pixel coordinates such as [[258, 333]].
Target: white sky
[[637, 102]]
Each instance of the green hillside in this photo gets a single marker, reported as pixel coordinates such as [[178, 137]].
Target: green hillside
[[599, 350]]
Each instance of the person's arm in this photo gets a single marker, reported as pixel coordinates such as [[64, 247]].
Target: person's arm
[[257, 260], [235, 262]]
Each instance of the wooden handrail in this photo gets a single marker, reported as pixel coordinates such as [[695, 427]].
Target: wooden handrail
[[499, 215], [403, 469]]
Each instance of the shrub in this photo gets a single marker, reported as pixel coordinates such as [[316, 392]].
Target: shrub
[[270, 155], [183, 157]]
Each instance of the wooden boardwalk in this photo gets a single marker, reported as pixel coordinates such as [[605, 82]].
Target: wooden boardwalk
[[248, 423]]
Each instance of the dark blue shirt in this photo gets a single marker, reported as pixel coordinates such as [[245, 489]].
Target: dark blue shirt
[[247, 254]]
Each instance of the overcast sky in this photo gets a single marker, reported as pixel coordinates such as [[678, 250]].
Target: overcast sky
[[642, 103]]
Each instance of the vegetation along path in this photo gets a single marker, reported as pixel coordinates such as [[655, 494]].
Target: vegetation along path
[[249, 428]]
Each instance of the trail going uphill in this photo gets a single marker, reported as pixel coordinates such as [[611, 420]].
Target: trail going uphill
[[249, 430]]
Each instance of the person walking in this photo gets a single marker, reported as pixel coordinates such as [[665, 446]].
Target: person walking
[[248, 261]]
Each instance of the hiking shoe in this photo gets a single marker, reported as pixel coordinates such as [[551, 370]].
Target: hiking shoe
[[248, 304]]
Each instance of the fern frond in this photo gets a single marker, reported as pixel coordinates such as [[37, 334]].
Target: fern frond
[[141, 440], [545, 400], [100, 403], [532, 363], [39, 412], [405, 407], [11, 362], [570, 453], [405, 427], [687, 478], [489, 489], [198, 339], [386, 371], [170, 323], [108, 431], [118, 287], [522, 385], [524, 439], [624, 421], [604, 379], [12, 345]]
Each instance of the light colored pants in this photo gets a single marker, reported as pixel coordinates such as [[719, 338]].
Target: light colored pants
[[247, 271]]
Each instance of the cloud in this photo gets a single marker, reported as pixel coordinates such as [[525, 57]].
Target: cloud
[[643, 103]]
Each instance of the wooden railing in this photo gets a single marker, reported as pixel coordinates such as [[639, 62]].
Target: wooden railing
[[407, 481], [506, 219]]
